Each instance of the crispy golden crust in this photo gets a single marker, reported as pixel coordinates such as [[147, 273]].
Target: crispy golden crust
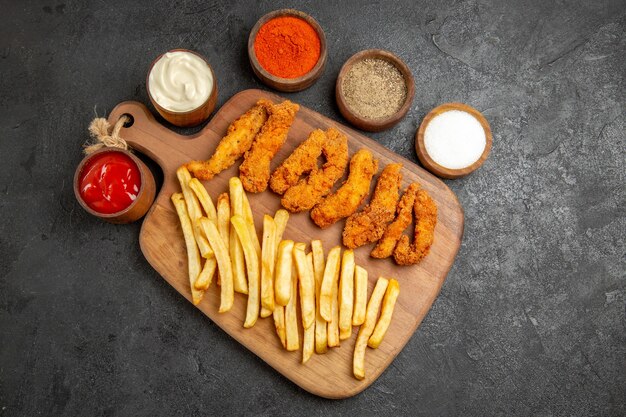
[[425, 211], [369, 224], [238, 140], [301, 161], [384, 247], [351, 194], [310, 190], [254, 171]]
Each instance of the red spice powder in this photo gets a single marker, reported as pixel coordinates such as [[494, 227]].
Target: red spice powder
[[287, 47]]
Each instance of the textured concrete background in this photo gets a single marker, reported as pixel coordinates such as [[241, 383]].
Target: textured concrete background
[[531, 320]]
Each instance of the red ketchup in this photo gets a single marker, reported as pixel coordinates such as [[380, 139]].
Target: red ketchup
[[109, 182]]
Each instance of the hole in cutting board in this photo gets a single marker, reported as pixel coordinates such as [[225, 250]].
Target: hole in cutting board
[[131, 120], [157, 173]]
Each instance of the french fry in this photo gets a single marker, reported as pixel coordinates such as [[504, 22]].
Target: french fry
[[307, 286], [333, 324], [365, 331], [346, 294], [280, 218], [252, 266], [206, 275], [247, 215], [331, 274], [223, 218], [203, 244], [223, 262], [193, 255], [389, 302], [321, 337], [360, 295], [204, 198], [282, 284], [223, 223], [279, 323], [235, 246], [291, 317], [194, 211], [345, 333], [267, 261], [193, 206], [308, 343]]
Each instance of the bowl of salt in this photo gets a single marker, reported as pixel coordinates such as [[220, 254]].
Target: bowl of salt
[[453, 140]]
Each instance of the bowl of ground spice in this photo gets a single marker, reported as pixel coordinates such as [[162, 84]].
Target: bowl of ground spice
[[287, 50], [374, 90]]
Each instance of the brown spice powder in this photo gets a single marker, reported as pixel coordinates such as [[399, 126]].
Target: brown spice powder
[[374, 88]]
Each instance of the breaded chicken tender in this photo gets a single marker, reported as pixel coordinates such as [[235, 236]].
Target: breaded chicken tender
[[254, 171], [384, 247], [301, 161], [369, 224], [310, 190], [237, 141], [425, 211], [347, 199]]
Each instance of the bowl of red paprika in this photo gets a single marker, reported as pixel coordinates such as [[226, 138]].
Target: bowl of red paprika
[[114, 185], [287, 50]]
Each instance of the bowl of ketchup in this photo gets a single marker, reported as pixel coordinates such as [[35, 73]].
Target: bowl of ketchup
[[114, 185]]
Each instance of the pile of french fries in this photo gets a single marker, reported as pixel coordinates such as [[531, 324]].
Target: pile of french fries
[[277, 273]]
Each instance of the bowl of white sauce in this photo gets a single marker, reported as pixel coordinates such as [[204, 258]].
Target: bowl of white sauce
[[182, 87], [453, 140]]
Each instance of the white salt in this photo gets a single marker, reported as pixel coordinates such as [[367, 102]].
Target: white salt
[[455, 139]]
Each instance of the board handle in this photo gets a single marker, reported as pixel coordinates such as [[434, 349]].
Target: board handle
[[145, 134]]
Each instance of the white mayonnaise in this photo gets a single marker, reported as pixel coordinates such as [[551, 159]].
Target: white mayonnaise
[[455, 139], [180, 81]]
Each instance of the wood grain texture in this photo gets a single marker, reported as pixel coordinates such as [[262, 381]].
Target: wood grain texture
[[328, 375]]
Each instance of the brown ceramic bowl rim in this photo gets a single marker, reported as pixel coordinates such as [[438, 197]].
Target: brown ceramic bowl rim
[[78, 173], [187, 112], [321, 61], [397, 62], [438, 169]]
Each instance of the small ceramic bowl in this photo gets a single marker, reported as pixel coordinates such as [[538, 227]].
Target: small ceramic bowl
[[187, 118], [434, 167], [287, 84], [374, 125], [138, 208]]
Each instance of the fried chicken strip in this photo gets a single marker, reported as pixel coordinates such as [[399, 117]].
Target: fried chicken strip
[[301, 161], [237, 141], [384, 247], [425, 211], [369, 224], [310, 190], [347, 199], [254, 171]]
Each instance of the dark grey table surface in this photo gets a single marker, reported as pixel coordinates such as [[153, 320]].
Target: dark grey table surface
[[531, 320]]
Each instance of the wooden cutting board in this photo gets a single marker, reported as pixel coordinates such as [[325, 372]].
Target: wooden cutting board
[[161, 240]]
